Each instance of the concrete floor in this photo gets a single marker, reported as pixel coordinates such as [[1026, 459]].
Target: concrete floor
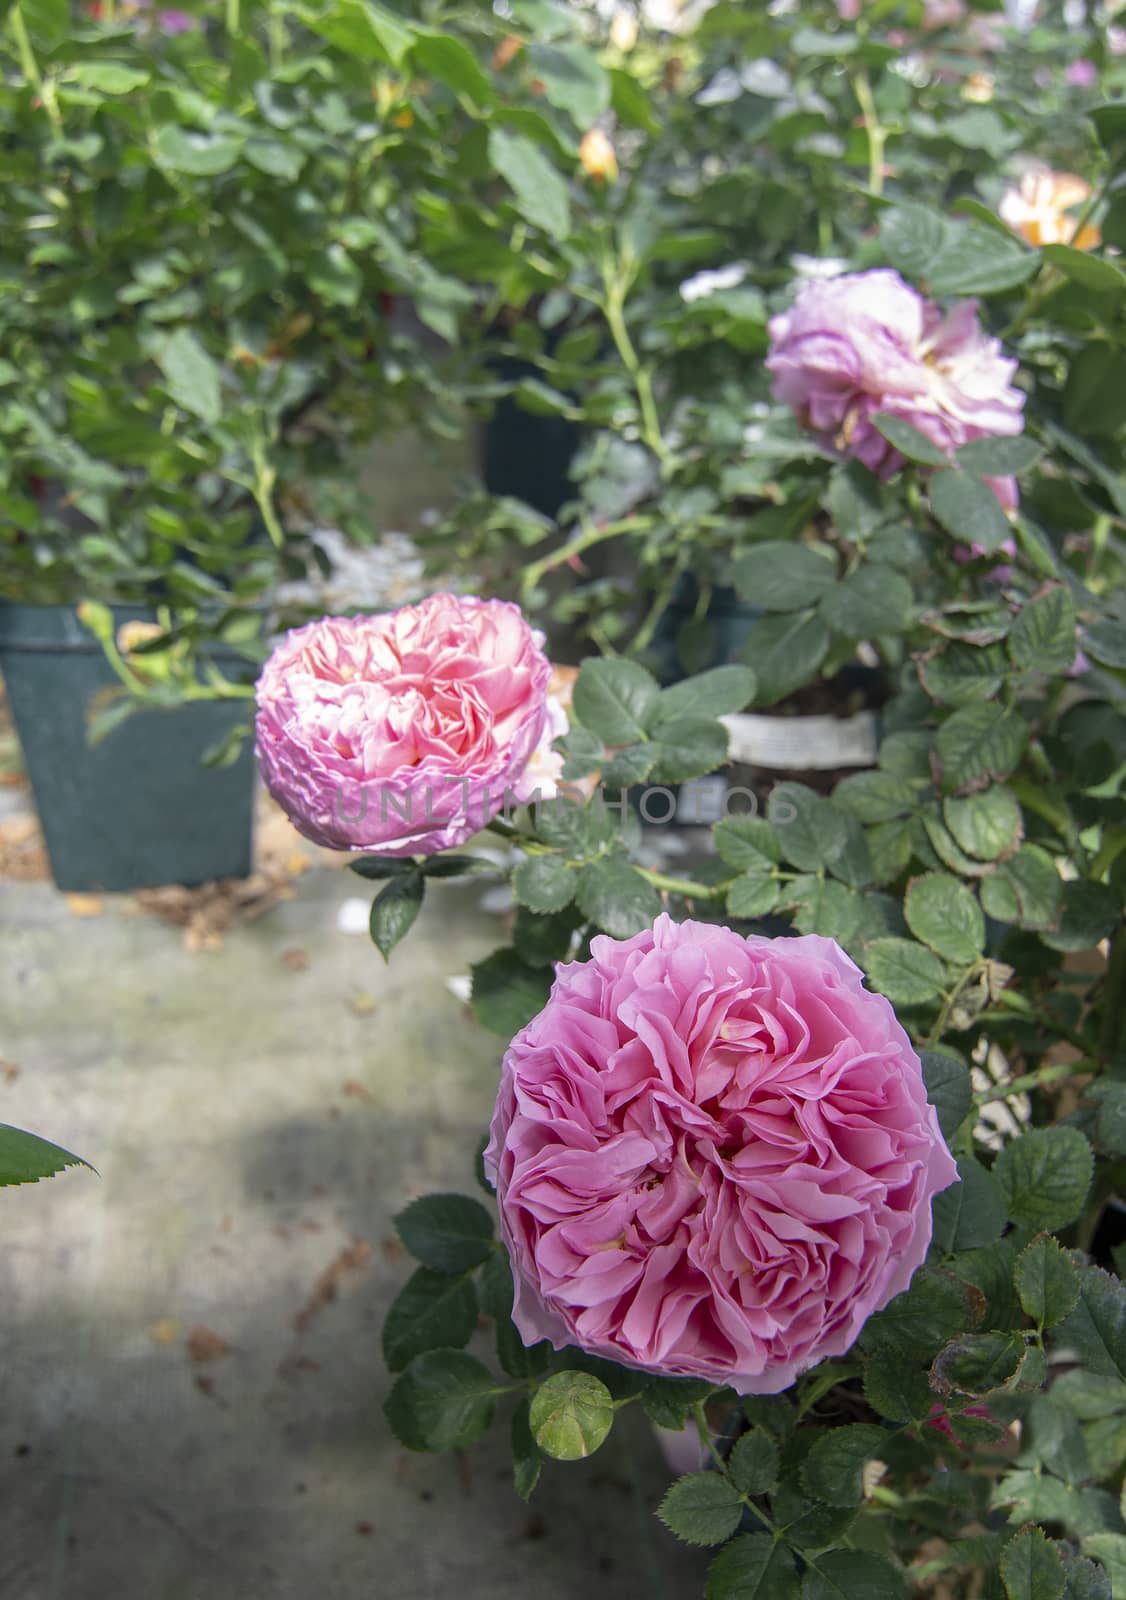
[[182, 1415]]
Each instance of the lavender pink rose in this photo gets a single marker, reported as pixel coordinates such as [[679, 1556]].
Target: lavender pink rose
[[405, 733], [866, 342], [713, 1155]]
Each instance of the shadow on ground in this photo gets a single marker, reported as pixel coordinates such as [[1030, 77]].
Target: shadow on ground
[[190, 1377]]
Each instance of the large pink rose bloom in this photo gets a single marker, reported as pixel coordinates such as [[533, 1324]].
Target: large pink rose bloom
[[401, 733], [866, 342], [714, 1156]]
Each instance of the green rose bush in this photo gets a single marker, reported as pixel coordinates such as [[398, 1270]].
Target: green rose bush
[[811, 1153]]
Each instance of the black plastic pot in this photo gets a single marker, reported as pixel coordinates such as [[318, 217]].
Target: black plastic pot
[[138, 809], [684, 644], [526, 455]]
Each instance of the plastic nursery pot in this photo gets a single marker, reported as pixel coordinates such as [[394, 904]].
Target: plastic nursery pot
[[138, 809], [526, 455], [771, 741]]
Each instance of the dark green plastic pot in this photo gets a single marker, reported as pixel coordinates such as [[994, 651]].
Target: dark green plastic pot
[[138, 809]]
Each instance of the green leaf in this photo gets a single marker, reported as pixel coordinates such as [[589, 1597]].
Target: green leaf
[[573, 79], [949, 1089], [1044, 1176], [907, 973], [494, 1286], [572, 1412], [507, 993], [1025, 889], [908, 440], [970, 1213], [782, 576], [380, 867], [785, 652], [980, 741], [875, 796], [702, 1509], [669, 1401], [959, 673], [689, 747], [106, 77], [1096, 1329], [977, 1363], [630, 102], [274, 158], [749, 844], [1089, 913], [977, 260], [615, 699], [197, 154], [825, 907], [191, 377], [1031, 1568], [394, 909], [1047, 1281], [985, 825], [811, 831], [919, 1320], [447, 1232], [579, 830], [1110, 1549], [998, 457], [753, 1463], [911, 236], [364, 29], [873, 601], [833, 1469], [443, 1401], [751, 896], [446, 57], [432, 1311], [1090, 271], [717, 693], [943, 913], [897, 1391], [527, 1457], [334, 277], [1042, 638], [615, 896], [540, 193], [853, 1575], [752, 1567], [541, 939], [968, 509], [1106, 641], [544, 883], [1094, 403], [631, 764], [25, 1157], [1085, 1580]]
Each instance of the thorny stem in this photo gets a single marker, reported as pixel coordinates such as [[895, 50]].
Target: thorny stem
[[950, 1001], [684, 886], [1057, 1072], [30, 67], [614, 310], [582, 541], [877, 133]]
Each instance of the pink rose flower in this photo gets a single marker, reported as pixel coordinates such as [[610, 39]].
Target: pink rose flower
[[1081, 74], [402, 733], [713, 1155], [866, 342]]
